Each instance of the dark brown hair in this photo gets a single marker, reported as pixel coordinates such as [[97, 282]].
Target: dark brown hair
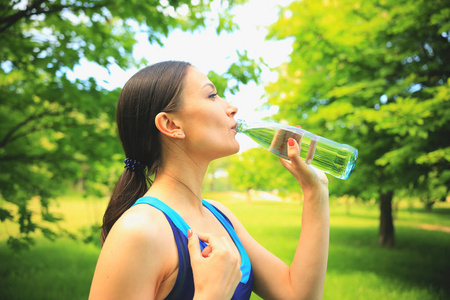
[[154, 89]]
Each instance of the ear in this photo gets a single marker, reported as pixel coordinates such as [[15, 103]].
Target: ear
[[168, 126]]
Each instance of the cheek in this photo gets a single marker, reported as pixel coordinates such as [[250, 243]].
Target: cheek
[[212, 142], [204, 124]]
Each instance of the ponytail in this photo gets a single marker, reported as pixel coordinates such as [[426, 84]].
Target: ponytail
[[154, 89], [131, 186]]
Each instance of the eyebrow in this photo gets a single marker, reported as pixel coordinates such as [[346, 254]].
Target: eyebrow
[[209, 84]]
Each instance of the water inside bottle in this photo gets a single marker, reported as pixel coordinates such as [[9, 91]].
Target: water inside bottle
[[330, 157]]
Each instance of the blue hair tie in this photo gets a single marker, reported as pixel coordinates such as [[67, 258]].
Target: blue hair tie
[[132, 164]]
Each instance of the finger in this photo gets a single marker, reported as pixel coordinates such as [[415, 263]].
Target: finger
[[205, 237], [277, 141], [311, 150], [215, 243], [285, 163], [193, 244], [212, 241], [207, 251], [294, 157], [294, 151]]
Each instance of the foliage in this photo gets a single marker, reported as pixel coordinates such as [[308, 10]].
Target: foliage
[[259, 169], [375, 75], [241, 72], [53, 131], [216, 177]]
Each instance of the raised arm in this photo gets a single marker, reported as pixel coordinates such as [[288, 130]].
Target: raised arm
[[304, 279], [308, 269]]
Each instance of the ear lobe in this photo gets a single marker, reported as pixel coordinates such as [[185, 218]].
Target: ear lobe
[[168, 126]]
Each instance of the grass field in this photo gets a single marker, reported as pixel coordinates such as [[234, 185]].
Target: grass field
[[417, 268]]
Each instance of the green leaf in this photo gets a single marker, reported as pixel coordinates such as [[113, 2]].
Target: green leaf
[[5, 215]]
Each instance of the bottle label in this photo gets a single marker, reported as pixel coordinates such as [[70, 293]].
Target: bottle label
[[311, 149], [280, 139]]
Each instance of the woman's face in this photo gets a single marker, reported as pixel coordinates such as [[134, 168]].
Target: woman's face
[[208, 120]]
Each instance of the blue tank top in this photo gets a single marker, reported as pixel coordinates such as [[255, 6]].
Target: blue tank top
[[184, 283]]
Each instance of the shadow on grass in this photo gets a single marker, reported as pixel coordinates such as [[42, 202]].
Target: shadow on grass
[[438, 211], [420, 258]]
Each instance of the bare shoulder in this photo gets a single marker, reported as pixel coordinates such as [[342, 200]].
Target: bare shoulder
[[138, 254], [220, 206], [234, 220], [141, 225]]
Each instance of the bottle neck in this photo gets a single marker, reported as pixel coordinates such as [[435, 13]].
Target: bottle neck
[[241, 126]]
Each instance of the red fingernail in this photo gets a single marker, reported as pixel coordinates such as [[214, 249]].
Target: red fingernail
[[291, 142], [189, 233]]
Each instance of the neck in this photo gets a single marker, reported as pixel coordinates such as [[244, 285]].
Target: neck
[[191, 186], [180, 178], [179, 185]]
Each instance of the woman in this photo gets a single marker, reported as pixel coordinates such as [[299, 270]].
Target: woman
[[172, 124]]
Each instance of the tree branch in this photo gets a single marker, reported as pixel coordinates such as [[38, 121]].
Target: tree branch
[[23, 158], [12, 19], [32, 130], [9, 136], [45, 157], [36, 9]]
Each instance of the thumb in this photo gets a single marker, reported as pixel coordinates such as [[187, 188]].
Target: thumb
[[193, 244], [207, 251], [296, 164], [294, 152]]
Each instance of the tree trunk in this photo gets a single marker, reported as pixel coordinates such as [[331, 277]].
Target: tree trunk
[[249, 195], [429, 206], [347, 205], [386, 233]]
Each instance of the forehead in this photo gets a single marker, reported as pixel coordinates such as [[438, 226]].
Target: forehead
[[195, 81]]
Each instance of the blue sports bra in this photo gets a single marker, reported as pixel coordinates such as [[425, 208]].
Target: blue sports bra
[[184, 284]]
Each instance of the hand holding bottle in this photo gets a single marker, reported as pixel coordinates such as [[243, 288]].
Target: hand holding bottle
[[217, 274], [308, 177], [281, 138]]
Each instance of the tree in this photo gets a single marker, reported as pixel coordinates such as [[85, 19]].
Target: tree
[[216, 177], [375, 75], [259, 169], [54, 131]]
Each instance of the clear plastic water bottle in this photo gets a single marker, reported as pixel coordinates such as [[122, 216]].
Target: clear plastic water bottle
[[333, 158]]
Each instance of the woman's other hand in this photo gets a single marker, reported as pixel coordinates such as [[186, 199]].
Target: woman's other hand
[[217, 270]]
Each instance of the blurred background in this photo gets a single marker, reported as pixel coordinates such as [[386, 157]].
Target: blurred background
[[371, 74]]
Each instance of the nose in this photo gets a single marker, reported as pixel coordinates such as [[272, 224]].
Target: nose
[[231, 110]]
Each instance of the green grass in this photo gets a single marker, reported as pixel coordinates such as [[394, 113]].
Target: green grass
[[417, 268], [60, 270], [78, 213]]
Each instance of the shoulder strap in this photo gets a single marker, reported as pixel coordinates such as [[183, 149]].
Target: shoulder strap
[[169, 212], [184, 283], [245, 265], [183, 227]]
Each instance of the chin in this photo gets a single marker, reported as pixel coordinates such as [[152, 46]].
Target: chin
[[236, 147], [230, 151]]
